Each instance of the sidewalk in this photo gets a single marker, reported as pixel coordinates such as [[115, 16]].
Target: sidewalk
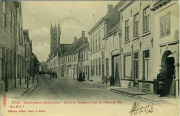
[[145, 96], [151, 97], [20, 90]]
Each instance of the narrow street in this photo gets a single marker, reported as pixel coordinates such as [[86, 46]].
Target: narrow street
[[64, 89]]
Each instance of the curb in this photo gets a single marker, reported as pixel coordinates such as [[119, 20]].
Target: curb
[[126, 92], [133, 95], [29, 90]]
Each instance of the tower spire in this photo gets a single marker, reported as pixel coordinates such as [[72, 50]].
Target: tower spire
[[55, 27], [51, 28], [59, 29]]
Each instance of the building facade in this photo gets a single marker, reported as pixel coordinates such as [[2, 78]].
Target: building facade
[[97, 43], [72, 56], [83, 61], [149, 43], [112, 57], [11, 37], [12, 46], [166, 43], [136, 45], [28, 56]]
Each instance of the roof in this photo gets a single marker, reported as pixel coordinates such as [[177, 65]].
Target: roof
[[112, 31], [65, 46], [26, 33], [83, 47], [76, 44], [97, 24], [119, 4]]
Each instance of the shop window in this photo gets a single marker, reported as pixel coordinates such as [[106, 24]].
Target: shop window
[[127, 66]]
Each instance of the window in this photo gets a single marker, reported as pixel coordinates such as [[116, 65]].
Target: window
[[94, 64], [20, 11], [146, 13], [146, 65], [91, 44], [107, 67], [13, 25], [81, 57], [96, 41], [165, 25], [136, 65], [74, 57], [19, 33], [106, 44], [4, 13], [22, 41], [92, 68], [136, 25], [127, 30], [87, 55], [127, 66], [10, 21], [99, 66], [99, 39]]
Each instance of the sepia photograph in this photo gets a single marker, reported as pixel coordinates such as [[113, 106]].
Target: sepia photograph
[[89, 58]]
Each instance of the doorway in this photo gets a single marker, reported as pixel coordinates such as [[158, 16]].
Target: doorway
[[115, 70], [169, 69]]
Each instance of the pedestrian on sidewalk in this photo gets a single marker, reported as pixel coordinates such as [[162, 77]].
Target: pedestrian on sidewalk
[[161, 80]]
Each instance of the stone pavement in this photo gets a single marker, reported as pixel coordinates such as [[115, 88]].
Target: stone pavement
[[144, 96], [20, 90], [138, 94]]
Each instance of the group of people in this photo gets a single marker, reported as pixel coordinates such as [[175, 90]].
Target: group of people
[[51, 73], [41, 73], [165, 83]]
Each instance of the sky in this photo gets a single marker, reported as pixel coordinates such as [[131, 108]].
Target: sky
[[73, 17]]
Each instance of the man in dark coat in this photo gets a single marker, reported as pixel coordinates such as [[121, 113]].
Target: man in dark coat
[[161, 79]]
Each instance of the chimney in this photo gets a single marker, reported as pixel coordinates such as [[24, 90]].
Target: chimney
[[83, 34], [75, 38], [110, 8]]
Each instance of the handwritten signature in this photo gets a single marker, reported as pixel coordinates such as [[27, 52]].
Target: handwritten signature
[[137, 109]]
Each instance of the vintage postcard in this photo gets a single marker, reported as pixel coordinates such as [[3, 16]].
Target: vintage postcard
[[89, 58]]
